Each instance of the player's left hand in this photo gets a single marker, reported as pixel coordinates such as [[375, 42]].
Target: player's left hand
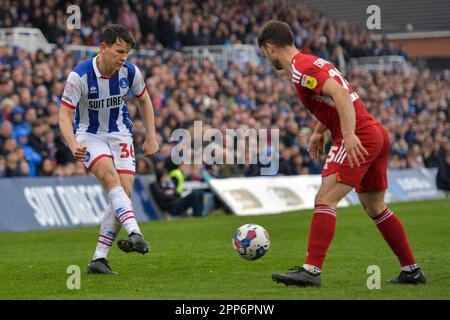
[[150, 147], [316, 145], [355, 150]]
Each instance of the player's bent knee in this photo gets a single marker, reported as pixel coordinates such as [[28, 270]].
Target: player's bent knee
[[108, 177], [323, 200], [364, 207], [374, 210]]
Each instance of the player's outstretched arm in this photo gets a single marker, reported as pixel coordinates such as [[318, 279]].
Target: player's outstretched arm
[[347, 117], [65, 126], [146, 107]]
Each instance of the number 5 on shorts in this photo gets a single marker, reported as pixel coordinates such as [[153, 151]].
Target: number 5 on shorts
[[331, 154]]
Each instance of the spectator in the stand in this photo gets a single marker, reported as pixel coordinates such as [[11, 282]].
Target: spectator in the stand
[[432, 155], [170, 200], [5, 109], [36, 136], [18, 121], [144, 165], [400, 148], [296, 164], [129, 19], [414, 158], [397, 163], [9, 146], [47, 168], [2, 167], [320, 48], [285, 166], [23, 169], [50, 148], [148, 21], [443, 175], [33, 158], [6, 131], [225, 170], [165, 28], [250, 166], [11, 165], [175, 174]]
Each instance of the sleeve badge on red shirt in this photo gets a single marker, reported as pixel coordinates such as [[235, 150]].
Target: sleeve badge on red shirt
[[309, 82]]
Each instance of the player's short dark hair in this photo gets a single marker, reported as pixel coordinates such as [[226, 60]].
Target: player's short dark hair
[[114, 32], [276, 32]]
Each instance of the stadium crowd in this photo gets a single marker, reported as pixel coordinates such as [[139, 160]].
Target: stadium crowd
[[414, 107], [175, 23]]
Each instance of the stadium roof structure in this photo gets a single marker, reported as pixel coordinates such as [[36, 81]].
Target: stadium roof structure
[[399, 16]]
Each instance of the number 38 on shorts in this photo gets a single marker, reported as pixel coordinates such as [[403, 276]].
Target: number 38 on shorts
[[117, 147]]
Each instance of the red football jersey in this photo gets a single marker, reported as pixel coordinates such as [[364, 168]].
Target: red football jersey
[[309, 74]]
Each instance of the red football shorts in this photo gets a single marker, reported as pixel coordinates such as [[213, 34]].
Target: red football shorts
[[370, 175]]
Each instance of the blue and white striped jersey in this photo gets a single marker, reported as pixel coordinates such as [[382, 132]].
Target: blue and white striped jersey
[[99, 102]]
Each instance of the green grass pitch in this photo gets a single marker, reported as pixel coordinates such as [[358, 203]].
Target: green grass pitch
[[194, 259]]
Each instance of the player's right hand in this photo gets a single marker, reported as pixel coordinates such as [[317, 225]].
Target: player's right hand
[[355, 150], [79, 151], [316, 143], [150, 147]]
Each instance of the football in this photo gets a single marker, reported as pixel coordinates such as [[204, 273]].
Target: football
[[251, 241]]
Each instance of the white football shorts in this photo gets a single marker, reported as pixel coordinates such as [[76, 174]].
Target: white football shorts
[[118, 147]]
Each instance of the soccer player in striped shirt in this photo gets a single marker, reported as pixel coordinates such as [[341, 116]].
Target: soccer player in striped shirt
[[96, 126], [357, 159]]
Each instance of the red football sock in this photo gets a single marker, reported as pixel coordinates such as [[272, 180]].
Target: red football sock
[[321, 234], [392, 230]]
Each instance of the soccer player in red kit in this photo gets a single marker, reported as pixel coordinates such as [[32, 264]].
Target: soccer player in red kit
[[357, 159]]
